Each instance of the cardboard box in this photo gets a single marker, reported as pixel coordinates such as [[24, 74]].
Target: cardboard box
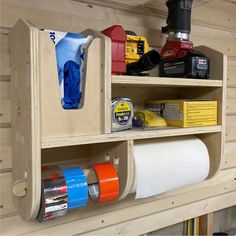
[[185, 113]]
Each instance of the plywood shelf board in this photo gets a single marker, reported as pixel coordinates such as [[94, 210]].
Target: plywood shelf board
[[163, 81], [127, 135]]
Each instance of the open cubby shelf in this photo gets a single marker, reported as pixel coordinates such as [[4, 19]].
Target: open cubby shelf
[[44, 133]]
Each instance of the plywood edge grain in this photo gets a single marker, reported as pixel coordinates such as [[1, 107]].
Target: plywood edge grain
[[127, 135], [162, 81]]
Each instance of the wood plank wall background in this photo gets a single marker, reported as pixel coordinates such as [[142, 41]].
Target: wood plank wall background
[[213, 24]]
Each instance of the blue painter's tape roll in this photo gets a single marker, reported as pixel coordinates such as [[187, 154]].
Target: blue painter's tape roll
[[77, 187]]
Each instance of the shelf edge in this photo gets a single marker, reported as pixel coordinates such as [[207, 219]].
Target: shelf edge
[[126, 135], [152, 81]]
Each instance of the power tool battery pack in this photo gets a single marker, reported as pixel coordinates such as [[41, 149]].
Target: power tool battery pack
[[192, 65]]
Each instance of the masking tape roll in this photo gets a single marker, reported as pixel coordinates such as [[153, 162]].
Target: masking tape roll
[[54, 196], [77, 187], [107, 188]]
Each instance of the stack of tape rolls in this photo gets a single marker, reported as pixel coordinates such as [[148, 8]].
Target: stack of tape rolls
[[54, 197], [67, 188], [62, 190], [107, 188]]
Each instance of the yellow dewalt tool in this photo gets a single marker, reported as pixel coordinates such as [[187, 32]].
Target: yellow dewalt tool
[[136, 46]]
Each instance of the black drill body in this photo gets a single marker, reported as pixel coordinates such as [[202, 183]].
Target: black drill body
[[179, 59]]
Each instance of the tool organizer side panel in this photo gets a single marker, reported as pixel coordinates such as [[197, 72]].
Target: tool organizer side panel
[[121, 155], [25, 113]]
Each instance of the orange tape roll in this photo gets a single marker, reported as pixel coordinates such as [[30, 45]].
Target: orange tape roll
[[107, 188]]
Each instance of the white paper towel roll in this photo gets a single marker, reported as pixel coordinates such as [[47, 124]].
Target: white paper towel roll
[[161, 166]]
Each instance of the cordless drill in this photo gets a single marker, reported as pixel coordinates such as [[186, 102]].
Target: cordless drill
[[178, 58]]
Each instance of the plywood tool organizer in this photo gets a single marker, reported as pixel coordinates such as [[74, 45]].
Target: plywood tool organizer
[[44, 133]]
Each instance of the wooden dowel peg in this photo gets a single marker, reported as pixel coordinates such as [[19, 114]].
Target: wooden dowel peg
[[20, 188]]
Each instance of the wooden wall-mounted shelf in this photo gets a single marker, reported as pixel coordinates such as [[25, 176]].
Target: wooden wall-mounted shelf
[[44, 133]]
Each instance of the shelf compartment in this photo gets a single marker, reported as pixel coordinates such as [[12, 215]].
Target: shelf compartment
[[118, 153], [91, 118], [146, 81], [128, 135], [213, 144]]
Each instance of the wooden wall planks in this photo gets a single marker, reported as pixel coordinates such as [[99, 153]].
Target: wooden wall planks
[[231, 106], [4, 41], [76, 16], [5, 90], [231, 93], [6, 202], [5, 158], [5, 63], [230, 161], [231, 128], [5, 110], [230, 155], [160, 220], [5, 136], [232, 78]]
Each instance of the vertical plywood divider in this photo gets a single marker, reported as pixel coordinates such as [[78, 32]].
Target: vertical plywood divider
[[218, 71], [25, 113], [128, 172], [213, 143], [105, 75], [119, 153]]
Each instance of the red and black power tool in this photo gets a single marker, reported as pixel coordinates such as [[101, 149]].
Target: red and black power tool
[[179, 59]]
